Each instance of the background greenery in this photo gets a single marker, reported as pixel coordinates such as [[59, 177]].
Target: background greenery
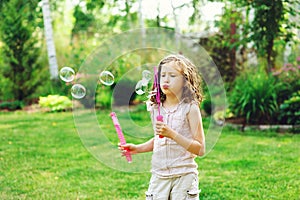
[[41, 155], [265, 30]]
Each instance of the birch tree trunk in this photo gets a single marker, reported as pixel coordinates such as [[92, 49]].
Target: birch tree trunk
[[141, 22], [177, 28], [49, 40]]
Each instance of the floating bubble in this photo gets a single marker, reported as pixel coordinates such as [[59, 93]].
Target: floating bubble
[[106, 78], [78, 91], [67, 74], [147, 75], [140, 88], [144, 82]]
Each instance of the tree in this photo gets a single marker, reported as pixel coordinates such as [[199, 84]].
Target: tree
[[231, 41], [271, 24], [50, 42], [21, 52]]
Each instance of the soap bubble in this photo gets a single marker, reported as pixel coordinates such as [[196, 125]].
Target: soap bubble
[[140, 88], [146, 78], [78, 91], [144, 82], [147, 75], [67, 74], [106, 78]]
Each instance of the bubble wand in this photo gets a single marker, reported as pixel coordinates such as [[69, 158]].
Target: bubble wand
[[120, 135], [159, 117]]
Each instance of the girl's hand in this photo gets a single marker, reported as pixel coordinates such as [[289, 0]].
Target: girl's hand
[[163, 129], [132, 148]]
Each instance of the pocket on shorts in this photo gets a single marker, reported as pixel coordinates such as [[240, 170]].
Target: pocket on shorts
[[193, 194], [149, 196]]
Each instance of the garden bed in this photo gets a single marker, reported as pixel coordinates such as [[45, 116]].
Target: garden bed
[[240, 123]]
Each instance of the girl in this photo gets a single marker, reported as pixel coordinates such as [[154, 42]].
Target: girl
[[174, 170]]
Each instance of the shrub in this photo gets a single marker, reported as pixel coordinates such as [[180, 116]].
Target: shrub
[[290, 110], [254, 97], [103, 97], [221, 115], [55, 103], [21, 48], [207, 106], [11, 105], [288, 77]]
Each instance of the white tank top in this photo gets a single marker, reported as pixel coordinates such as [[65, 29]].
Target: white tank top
[[170, 159]]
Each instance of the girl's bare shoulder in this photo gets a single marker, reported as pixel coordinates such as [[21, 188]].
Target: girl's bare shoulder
[[194, 109]]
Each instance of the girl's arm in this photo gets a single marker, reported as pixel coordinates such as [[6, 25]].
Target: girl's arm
[[140, 148], [195, 145], [195, 120]]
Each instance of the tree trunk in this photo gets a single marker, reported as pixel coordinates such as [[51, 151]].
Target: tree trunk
[[232, 53], [128, 16], [176, 21], [141, 22], [270, 62], [49, 39], [177, 28]]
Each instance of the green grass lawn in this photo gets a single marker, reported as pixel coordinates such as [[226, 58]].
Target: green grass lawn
[[42, 157]]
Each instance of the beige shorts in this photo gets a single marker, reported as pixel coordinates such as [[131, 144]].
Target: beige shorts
[[179, 188]]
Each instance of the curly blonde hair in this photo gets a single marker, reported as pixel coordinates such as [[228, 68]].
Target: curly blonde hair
[[192, 91]]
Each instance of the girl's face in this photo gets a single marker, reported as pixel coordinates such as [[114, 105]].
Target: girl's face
[[171, 80]]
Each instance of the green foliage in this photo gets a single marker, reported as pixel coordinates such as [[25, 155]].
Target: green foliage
[[90, 97], [222, 115], [18, 33], [83, 21], [85, 16], [224, 45], [254, 97], [289, 73], [11, 105], [55, 103], [290, 110], [220, 55], [288, 78], [273, 25], [55, 87], [270, 25], [6, 92], [229, 26], [124, 64], [207, 106], [265, 29], [103, 97]]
